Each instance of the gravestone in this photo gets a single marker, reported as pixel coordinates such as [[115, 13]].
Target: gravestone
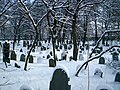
[[69, 47], [48, 56], [117, 77], [22, 57], [98, 72], [31, 59], [21, 50], [60, 80], [24, 43], [101, 60], [13, 55], [60, 46], [6, 51], [115, 56], [52, 63], [81, 58]]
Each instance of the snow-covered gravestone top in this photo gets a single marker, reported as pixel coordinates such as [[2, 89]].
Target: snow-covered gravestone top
[[60, 79], [25, 87]]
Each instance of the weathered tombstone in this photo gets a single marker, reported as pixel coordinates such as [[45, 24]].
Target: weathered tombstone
[[115, 56], [13, 55], [22, 57], [81, 58], [21, 50], [33, 50], [52, 63], [117, 77], [6, 51], [101, 60], [104, 87], [24, 43], [98, 72], [60, 80], [31, 59]]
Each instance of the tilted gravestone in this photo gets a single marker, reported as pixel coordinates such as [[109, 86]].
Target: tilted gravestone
[[52, 63], [22, 57], [60, 80], [117, 77], [98, 72], [81, 58], [13, 55], [31, 59], [101, 60], [115, 56]]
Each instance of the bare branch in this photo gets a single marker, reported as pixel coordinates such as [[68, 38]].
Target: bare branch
[[91, 59]]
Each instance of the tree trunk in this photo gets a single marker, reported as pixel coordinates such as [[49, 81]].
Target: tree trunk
[[75, 49]]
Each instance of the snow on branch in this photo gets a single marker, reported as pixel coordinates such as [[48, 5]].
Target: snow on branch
[[97, 56]]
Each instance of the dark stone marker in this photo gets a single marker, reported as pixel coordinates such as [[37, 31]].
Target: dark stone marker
[[31, 59], [52, 63], [21, 50], [101, 60], [117, 77], [59, 80], [24, 43], [115, 56], [48, 56], [60, 46], [6, 51], [71, 58], [13, 55], [22, 57], [87, 47], [118, 50]]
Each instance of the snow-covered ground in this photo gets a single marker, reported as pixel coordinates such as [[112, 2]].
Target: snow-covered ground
[[39, 74]]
